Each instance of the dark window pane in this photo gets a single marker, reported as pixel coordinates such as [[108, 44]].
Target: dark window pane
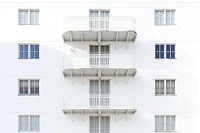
[[25, 55], [21, 55], [172, 47], [25, 47], [168, 55], [21, 47], [172, 54], [168, 47], [32, 47], [162, 55], [36, 47], [36, 55], [32, 55], [157, 55], [161, 47], [157, 48]]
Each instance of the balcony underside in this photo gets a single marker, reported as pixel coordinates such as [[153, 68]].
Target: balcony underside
[[99, 111], [99, 36], [99, 72]]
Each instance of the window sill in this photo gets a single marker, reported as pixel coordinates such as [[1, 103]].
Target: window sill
[[28, 95], [28, 131], [166, 25], [28, 58], [165, 95], [165, 58], [28, 24], [165, 131]]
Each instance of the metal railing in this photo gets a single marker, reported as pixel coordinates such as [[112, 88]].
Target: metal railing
[[98, 61], [114, 23], [101, 101]]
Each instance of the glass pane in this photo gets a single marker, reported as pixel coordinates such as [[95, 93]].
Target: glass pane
[[170, 123], [105, 124], [94, 87], [94, 124], [156, 86], [23, 123], [159, 123], [25, 55], [36, 47], [157, 55], [172, 47], [156, 47], [36, 55], [161, 47], [34, 123], [173, 17], [168, 55], [168, 17], [161, 54]]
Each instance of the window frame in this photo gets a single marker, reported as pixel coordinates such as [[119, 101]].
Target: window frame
[[29, 50], [165, 87], [165, 123], [29, 123], [29, 16], [164, 17], [29, 87], [165, 50]]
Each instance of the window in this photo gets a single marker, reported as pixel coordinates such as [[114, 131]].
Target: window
[[99, 93], [164, 17], [99, 19], [28, 51], [170, 52], [99, 124], [165, 51], [164, 87], [29, 123], [164, 123], [28, 16], [28, 87], [99, 55]]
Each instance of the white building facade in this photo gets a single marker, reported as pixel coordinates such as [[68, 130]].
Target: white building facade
[[99, 66]]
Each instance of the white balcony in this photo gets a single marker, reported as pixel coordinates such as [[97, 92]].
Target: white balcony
[[99, 29], [107, 104], [99, 65]]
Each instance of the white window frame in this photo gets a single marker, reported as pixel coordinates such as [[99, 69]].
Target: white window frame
[[29, 87], [165, 50], [29, 16], [165, 87], [164, 17], [29, 50], [165, 123], [29, 123]]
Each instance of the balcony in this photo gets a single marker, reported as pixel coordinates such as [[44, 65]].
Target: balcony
[[106, 104], [98, 65], [99, 29]]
